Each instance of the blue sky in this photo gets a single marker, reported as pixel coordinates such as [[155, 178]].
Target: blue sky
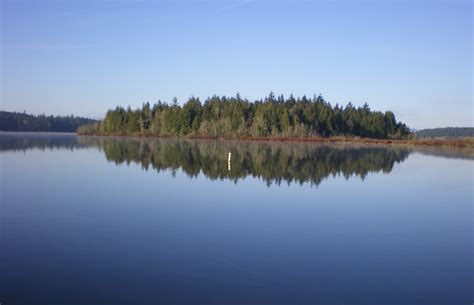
[[84, 57]]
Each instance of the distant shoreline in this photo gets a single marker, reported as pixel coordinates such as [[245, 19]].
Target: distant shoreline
[[28, 134], [440, 142], [467, 142], [37, 132]]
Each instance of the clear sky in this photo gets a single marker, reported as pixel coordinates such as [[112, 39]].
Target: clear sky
[[84, 57]]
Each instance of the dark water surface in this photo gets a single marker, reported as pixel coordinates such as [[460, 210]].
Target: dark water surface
[[87, 220]]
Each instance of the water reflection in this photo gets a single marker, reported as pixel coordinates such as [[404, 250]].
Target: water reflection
[[73, 221], [272, 162], [24, 141]]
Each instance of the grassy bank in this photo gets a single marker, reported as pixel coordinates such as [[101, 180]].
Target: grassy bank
[[451, 142]]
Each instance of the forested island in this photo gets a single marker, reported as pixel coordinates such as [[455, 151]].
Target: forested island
[[235, 117], [17, 121]]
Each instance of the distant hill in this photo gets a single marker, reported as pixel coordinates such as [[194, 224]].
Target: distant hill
[[447, 132], [17, 121]]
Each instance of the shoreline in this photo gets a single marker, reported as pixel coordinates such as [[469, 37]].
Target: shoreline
[[429, 142]]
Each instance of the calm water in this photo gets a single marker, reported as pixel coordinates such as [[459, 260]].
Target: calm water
[[127, 221]]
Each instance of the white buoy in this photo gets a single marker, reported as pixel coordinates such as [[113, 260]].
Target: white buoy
[[228, 161]]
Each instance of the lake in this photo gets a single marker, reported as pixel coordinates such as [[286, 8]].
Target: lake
[[97, 220]]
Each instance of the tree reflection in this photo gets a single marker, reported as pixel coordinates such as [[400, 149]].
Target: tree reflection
[[271, 162]]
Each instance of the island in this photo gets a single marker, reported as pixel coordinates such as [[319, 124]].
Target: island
[[234, 117]]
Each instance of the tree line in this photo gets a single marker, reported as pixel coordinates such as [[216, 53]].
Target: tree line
[[237, 117], [447, 132], [17, 121]]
